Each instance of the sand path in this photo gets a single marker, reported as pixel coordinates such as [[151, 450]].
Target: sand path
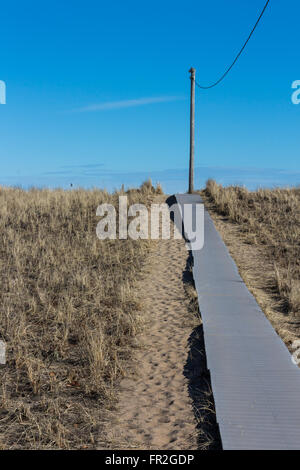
[[155, 410]]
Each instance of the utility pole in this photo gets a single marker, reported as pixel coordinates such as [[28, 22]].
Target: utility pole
[[192, 131]]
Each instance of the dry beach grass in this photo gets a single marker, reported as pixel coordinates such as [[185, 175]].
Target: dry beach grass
[[69, 315]]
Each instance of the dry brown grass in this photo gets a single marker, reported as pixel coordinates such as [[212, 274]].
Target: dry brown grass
[[262, 230], [68, 313]]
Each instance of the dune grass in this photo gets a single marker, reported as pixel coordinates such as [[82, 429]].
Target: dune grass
[[68, 314]]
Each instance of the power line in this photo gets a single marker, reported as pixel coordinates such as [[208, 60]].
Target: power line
[[238, 55]]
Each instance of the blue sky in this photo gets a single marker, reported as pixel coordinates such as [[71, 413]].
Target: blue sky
[[98, 92]]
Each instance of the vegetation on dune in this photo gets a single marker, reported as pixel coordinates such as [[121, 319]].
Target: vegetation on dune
[[69, 315]]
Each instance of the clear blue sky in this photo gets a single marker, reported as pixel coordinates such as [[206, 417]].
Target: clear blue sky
[[98, 92]]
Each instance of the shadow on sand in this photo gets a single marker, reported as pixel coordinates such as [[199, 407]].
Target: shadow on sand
[[197, 374]]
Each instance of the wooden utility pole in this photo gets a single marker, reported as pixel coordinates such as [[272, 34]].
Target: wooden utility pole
[[192, 131]]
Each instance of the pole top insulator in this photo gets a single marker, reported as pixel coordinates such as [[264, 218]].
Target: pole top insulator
[[192, 71]]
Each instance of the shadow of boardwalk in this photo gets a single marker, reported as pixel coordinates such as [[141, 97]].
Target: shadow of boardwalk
[[197, 374], [199, 383]]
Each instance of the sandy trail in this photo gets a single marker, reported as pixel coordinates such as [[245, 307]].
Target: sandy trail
[[155, 410]]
